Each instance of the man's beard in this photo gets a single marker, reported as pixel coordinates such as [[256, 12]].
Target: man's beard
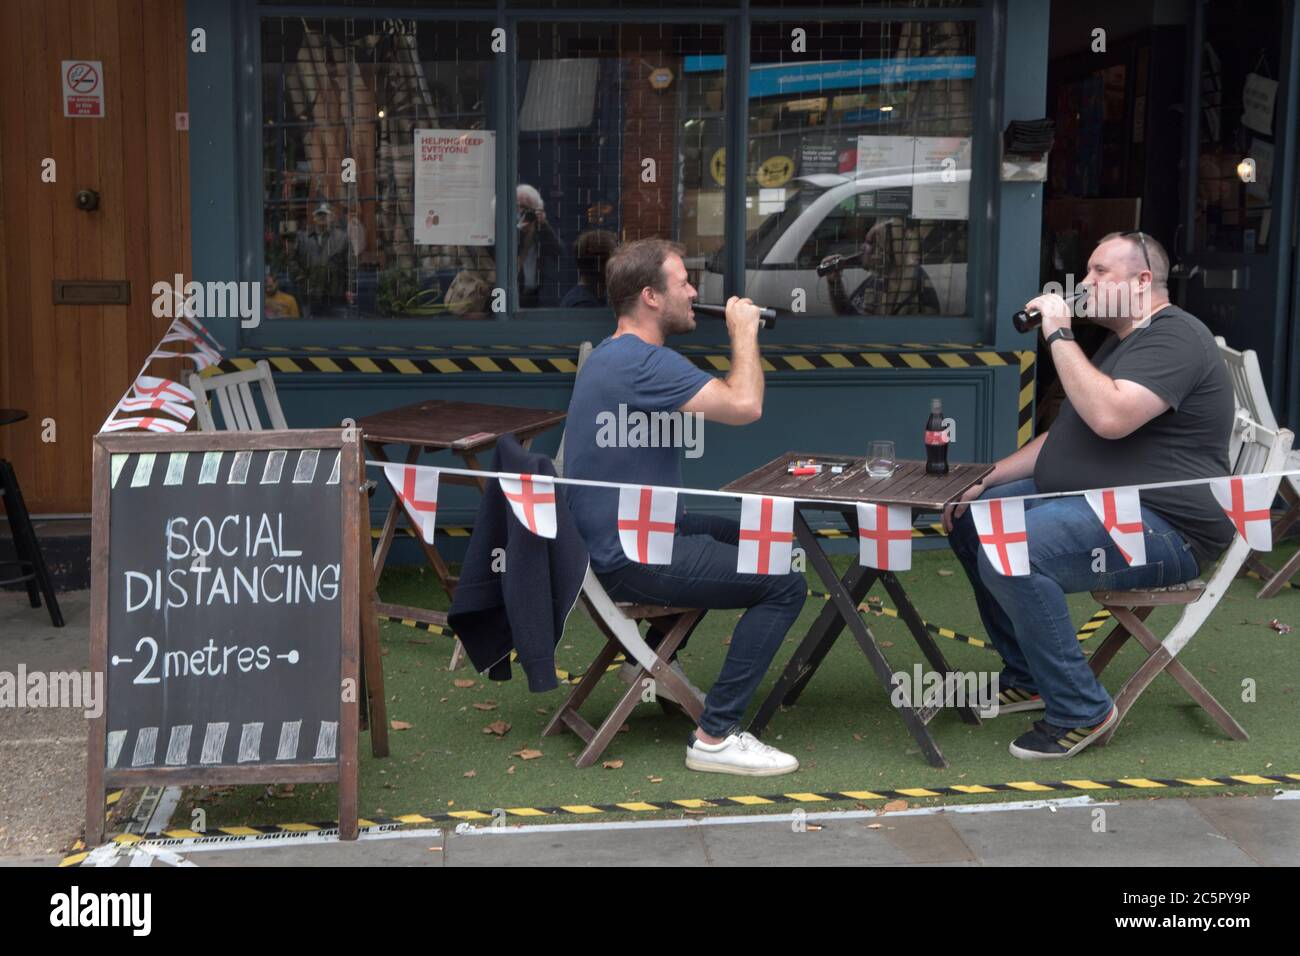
[[677, 325]]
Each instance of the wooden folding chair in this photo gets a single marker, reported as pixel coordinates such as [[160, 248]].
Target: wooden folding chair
[[1261, 450], [1252, 402], [620, 623], [234, 395]]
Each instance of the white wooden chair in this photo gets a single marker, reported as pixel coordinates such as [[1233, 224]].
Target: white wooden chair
[[1252, 403], [234, 395], [620, 623], [1261, 450]]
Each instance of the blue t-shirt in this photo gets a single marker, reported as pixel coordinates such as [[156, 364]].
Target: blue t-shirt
[[601, 441]]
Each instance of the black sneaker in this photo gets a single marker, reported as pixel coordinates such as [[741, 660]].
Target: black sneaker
[[1047, 741], [1011, 701]]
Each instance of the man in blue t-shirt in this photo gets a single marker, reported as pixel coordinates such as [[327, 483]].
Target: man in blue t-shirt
[[632, 377]]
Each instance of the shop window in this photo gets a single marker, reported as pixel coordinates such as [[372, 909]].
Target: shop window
[[859, 164], [378, 168], [620, 135]]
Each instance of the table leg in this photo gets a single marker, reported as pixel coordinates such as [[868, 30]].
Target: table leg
[[820, 639], [390, 520], [847, 609], [908, 614]]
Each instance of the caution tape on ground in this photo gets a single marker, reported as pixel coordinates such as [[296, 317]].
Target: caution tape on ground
[[235, 834]]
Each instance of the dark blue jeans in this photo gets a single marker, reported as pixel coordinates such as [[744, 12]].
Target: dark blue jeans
[[1027, 618], [703, 574]]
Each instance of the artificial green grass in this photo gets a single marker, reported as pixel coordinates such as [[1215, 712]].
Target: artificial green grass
[[843, 729]]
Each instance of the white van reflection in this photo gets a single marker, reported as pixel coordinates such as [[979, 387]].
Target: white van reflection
[[823, 214]]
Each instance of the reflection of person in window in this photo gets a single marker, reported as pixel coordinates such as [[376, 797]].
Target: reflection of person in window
[[539, 250], [592, 250], [895, 283], [319, 265], [279, 304]]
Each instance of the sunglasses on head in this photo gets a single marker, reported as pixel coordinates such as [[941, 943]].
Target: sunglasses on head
[[1143, 242]]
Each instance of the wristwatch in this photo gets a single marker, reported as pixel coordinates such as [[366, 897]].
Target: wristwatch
[[1067, 334]]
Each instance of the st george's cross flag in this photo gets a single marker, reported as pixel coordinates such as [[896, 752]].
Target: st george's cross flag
[[1120, 513], [417, 490], [148, 386], [174, 409], [647, 520], [766, 535], [1246, 501], [1000, 523], [885, 536], [148, 424], [533, 499]]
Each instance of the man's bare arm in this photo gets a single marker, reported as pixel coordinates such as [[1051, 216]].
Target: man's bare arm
[[737, 399]]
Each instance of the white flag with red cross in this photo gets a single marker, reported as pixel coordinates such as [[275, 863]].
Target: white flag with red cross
[[533, 499], [1246, 502], [1000, 523], [1120, 513], [200, 359], [149, 424], [148, 386], [766, 535], [417, 490], [885, 536], [647, 520], [174, 409]]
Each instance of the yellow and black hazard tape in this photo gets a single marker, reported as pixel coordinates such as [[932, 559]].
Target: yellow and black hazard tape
[[1259, 577], [563, 676], [876, 606], [531, 814], [451, 363]]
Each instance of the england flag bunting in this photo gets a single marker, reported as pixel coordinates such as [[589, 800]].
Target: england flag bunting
[[766, 535], [201, 361], [533, 499], [647, 520], [885, 536], [148, 424], [147, 386], [174, 409], [417, 490], [1246, 501], [1000, 523], [1120, 513]]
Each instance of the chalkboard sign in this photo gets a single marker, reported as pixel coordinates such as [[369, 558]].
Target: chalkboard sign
[[225, 586]]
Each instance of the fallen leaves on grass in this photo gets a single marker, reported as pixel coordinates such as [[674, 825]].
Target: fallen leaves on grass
[[399, 725], [613, 765], [485, 705], [892, 806], [527, 754], [944, 573], [464, 682], [470, 773], [498, 727]]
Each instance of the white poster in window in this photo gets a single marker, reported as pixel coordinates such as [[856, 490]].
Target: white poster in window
[[455, 178], [945, 163], [1257, 96], [880, 157]]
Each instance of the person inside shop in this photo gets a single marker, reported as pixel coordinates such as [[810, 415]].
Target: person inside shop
[[634, 372], [278, 303], [540, 251], [591, 251], [1154, 404], [319, 264], [895, 283]]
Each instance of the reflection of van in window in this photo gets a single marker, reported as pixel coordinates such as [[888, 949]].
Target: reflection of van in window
[[829, 214]]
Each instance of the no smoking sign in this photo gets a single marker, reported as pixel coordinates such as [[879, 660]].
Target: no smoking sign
[[83, 87]]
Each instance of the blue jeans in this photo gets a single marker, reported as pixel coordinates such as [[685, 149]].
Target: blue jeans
[[703, 574], [1027, 618]]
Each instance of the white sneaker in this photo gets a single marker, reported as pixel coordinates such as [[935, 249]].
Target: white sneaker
[[742, 754], [627, 672]]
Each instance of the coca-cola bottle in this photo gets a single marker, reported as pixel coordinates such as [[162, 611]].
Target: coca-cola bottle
[[936, 441]]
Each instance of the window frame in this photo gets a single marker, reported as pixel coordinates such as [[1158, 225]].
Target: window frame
[[550, 326]]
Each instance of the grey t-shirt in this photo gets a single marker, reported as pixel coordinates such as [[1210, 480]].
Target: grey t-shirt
[[1177, 358]]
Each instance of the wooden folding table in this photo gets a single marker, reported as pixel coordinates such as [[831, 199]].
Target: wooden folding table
[[463, 428], [909, 485]]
